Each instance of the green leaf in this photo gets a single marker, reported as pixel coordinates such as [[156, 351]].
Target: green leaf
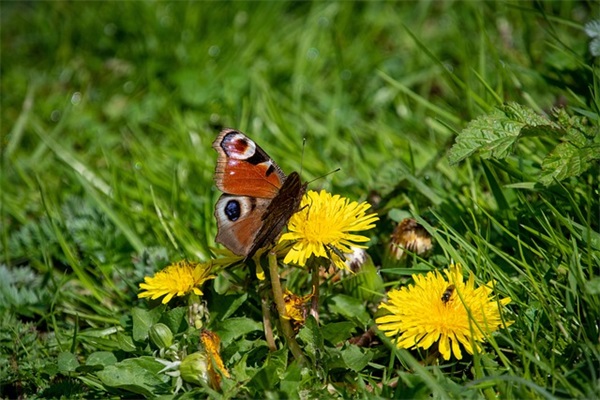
[[593, 286], [233, 328], [351, 308], [568, 160], [337, 332], [234, 305], [355, 358], [125, 342], [310, 335], [494, 135], [103, 358], [269, 375], [67, 362], [143, 320], [137, 375], [176, 319], [366, 284]]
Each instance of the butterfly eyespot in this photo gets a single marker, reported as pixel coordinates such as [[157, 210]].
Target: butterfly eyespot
[[233, 210]]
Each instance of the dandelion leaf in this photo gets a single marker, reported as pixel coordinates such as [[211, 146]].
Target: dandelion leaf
[[143, 320], [137, 375], [355, 358]]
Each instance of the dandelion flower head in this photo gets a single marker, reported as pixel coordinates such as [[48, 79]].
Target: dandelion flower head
[[177, 279], [325, 226], [447, 311]]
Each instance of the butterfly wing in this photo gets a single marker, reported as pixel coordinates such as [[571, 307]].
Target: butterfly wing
[[258, 198], [239, 221], [279, 211], [243, 168]]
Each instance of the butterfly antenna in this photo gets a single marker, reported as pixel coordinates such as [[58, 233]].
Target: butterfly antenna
[[302, 156], [323, 176]]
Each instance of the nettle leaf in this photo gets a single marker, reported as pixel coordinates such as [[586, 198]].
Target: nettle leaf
[[567, 160], [137, 375], [574, 155], [494, 135]]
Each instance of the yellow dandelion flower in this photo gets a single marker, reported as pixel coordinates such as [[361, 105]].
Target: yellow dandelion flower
[[323, 228], [449, 312], [177, 279]]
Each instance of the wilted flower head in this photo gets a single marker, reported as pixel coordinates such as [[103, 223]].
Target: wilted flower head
[[448, 312], [409, 235], [296, 307], [177, 279], [216, 368], [325, 226]]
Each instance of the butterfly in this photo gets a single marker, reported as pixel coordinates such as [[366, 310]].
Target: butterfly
[[258, 198]]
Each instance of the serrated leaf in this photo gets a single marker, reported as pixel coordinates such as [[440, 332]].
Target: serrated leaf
[[495, 134], [525, 115], [567, 160], [67, 362], [268, 376], [137, 375], [592, 28], [595, 46]]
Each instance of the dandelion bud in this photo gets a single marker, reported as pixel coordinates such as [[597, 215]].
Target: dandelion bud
[[161, 336], [194, 368]]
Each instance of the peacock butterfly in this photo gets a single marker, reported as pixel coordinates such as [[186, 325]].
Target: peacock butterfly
[[258, 198]]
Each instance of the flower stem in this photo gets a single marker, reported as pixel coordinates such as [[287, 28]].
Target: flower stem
[[264, 303], [286, 326], [314, 280]]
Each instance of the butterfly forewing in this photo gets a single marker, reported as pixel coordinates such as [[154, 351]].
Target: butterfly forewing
[[243, 168]]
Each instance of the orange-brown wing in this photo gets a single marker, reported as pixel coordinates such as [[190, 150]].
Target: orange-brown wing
[[243, 168], [246, 224], [239, 219]]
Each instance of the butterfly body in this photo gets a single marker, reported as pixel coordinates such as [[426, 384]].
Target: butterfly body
[[258, 198]]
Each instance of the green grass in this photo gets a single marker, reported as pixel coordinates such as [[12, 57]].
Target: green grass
[[108, 115]]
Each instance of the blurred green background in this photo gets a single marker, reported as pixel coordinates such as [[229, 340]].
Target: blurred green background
[[125, 97]]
